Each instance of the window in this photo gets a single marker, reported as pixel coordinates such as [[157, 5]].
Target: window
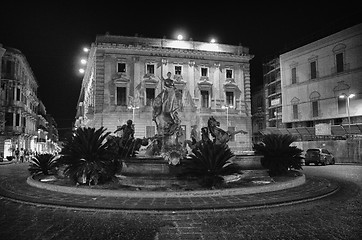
[[342, 105], [313, 70], [339, 62], [10, 69], [121, 67], [337, 121], [272, 123], [310, 124], [272, 89], [9, 121], [178, 70], [231, 130], [182, 137], [295, 111], [150, 68], [17, 119], [204, 72], [119, 133], [230, 98], [18, 94], [150, 96], [294, 75], [23, 120], [150, 131], [315, 108], [121, 96], [204, 99], [229, 73]]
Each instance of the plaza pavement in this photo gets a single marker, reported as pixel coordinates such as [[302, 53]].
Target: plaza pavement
[[303, 212]]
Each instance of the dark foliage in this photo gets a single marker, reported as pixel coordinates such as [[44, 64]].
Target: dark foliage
[[208, 163], [89, 157], [279, 156], [43, 163]]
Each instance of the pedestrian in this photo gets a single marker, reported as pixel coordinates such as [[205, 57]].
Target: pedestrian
[[16, 152], [21, 155], [26, 153]]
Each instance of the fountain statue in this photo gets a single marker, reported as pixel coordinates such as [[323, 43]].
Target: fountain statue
[[127, 144], [165, 116], [220, 136]]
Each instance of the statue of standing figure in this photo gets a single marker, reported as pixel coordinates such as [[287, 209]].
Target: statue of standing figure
[[165, 116], [165, 108]]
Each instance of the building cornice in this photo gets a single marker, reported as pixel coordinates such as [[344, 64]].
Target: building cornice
[[174, 52]]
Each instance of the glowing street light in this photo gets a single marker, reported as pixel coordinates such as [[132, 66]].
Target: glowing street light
[[81, 70], [179, 37], [349, 118], [227, 113], [85, 49], [133, 108], [83, 61], [213, 40]]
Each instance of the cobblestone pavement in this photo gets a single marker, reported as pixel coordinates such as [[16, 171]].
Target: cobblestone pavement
[[338, 216]]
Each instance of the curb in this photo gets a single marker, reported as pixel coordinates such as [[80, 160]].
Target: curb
[[6, 162], [276, 186]]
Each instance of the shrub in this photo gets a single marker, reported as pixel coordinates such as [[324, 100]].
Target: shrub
[[43, 163], [279, 156], [209, 162], [89, 157]]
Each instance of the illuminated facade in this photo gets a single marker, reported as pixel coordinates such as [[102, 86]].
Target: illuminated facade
[[313, 78], [123, 76], [22, 125]]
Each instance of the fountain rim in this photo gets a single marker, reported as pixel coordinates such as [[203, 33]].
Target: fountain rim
[[297, 181]]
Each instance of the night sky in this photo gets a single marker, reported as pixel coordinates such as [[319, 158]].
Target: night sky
[[51, 36]]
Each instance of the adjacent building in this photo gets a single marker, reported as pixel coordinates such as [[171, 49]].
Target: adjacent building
[[315, 91], [19, 107], [272, 93], [321, 84], [258, 113], [123, 77]]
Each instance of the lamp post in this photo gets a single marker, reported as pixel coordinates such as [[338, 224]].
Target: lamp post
[[227, 113], [349, 118], [133, 108]]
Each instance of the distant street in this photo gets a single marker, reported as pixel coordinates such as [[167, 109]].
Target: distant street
[[338, 216]]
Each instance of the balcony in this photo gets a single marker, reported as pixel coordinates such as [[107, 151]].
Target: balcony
[[14, 130]]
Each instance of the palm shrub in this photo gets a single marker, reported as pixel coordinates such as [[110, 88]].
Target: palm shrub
[[43, 163], [89, 157], [208, 163], [279, 156]]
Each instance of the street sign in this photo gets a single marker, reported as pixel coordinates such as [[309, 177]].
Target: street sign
[[323, 129]]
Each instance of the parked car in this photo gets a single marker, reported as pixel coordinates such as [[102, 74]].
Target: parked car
[[319, 156]]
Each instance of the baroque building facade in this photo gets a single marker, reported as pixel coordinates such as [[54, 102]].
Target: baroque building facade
[[124, 75], [22, 124]]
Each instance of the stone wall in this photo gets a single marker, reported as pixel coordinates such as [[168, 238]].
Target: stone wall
[[345, 151]]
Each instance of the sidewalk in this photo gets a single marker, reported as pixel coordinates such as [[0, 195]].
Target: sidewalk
[[13, 185]]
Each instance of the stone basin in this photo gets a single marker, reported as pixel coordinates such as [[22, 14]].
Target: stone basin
[[148, 166], [248, 162], [153, 172]]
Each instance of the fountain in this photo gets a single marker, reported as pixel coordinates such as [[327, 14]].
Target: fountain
[[159, 165]]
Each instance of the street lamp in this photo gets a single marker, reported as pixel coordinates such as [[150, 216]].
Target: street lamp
[[349, 118], [227, 113], [133, 108]]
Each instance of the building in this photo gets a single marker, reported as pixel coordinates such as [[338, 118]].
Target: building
[[19, 104], [258, 113], [314, 79], [123, 77], [273, 93]]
